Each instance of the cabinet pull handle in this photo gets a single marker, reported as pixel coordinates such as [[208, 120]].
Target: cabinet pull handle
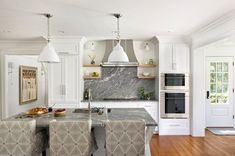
[[175, 125], [63, 89]]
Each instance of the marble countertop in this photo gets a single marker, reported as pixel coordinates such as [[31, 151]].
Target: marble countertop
[[121, 100], [97, 120]]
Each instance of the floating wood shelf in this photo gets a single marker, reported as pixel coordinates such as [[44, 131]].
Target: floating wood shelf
[[147, 65], [146, 77], [90, 77], [91, 65]]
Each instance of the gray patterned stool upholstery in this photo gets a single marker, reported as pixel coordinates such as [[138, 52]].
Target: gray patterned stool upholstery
[[125, 138], [70, 138], [19, 138]]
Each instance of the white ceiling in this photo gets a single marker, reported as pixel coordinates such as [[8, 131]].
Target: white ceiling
[[21, 19]]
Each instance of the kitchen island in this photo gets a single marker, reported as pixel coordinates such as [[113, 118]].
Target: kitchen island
[[98, 121]]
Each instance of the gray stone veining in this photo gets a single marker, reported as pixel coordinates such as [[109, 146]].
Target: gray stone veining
[[97, 120], [118, 82]]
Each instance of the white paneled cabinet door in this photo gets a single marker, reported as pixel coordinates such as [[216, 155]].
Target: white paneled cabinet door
[[174, 58], [56, 81], [180, 58], [71, 78], [63, 81], [165, 58]]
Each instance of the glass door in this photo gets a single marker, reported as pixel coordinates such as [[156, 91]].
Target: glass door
[[219, 94]]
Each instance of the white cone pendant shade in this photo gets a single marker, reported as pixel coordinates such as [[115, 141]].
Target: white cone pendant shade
[[118, 54], [49, 55]]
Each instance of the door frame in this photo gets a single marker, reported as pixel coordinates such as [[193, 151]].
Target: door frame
[[206, 87]]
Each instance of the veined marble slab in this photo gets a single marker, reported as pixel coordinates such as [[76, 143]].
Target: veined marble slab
[[97, 120], [118, 82]]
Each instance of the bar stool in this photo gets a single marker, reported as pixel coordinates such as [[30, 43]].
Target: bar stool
[[125, 138], [20, 138], [70, 138]]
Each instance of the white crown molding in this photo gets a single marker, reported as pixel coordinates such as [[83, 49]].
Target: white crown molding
[[221, 28], [173, 39], [214, 24], [66, 38], [43, 39]]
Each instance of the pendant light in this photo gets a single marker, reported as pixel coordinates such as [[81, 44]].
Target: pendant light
[[118, 54], [48, 54]]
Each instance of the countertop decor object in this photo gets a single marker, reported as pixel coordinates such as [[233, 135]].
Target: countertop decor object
[[150, 61], [60, 112], [95, 74], [143, 95], [37, 111], [146, 74], [92, 57]]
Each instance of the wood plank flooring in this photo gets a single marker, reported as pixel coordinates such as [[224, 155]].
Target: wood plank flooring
[[210, 145]]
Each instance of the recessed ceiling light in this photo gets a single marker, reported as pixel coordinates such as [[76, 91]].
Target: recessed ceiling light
[[169, 31], [6, 31], [61, 31]]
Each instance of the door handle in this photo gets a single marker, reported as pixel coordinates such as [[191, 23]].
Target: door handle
[[207, 94]]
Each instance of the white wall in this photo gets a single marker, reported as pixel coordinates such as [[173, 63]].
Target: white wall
[[13, 106], [14, 48], [98, 51], [198, 81], [141, 54], [198, 87]]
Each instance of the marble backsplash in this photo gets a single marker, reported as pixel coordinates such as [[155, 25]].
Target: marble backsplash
[[118, 82]]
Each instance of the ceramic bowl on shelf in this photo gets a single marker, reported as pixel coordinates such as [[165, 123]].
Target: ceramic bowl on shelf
[[146, 74]]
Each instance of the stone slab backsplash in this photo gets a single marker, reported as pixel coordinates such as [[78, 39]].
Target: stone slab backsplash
[[118, 82]]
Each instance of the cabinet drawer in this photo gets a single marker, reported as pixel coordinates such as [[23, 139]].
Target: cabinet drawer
[[177, 124]]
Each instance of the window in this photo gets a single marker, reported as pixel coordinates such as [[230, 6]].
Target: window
[[219, 83]]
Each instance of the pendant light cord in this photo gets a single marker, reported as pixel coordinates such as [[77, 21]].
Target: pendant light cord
[[118, 30], [48, 29], [118, 26], [48, 16]]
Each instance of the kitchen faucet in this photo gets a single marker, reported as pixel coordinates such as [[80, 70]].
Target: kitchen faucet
[[89, 100]]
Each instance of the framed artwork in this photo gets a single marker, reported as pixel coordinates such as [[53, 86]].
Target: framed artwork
[[28, 84]]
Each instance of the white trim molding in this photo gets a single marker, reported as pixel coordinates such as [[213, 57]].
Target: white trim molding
[[220, 28]]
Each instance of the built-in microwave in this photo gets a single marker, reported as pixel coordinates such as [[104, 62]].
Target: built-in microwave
[[174, 104], [176, 81]]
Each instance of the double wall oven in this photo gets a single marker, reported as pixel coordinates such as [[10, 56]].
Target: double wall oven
[[174, 96]]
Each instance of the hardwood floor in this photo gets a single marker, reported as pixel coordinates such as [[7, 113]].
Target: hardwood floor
[[210, 145]]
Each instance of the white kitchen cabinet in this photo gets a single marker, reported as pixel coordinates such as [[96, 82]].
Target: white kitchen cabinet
[[151, 107], [173, 58], [63, 81]]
